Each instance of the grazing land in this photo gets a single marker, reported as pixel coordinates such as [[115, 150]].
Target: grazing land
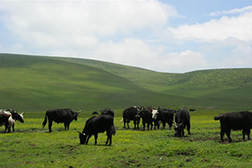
[[33, 146], [36, 84]]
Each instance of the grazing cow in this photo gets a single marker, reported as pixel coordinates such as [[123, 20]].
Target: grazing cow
[[108, 111], [235, 121], [95, 125], [182, 119], [13, 116], [131, 113], [65, 116], [192, 109], [146, 116]]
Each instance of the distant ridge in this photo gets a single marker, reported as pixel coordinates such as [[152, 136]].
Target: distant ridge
[[39, 83]]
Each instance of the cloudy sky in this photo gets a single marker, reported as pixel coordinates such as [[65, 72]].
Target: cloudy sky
[[165, 35]]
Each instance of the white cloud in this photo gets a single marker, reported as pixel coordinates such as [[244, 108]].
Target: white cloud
[[217, 30], [80, 23], [135, 52], [233, 11]]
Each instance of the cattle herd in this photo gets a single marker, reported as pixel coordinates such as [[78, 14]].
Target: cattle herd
[[151, 117]]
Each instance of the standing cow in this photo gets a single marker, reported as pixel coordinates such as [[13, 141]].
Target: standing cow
[[95, 125], [164, 116], [146, 116], [131, 113], [182, 120], [65, 116], [235, 121], [10, 122]]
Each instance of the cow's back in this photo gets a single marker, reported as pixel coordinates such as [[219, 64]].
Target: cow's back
[[130, 113], [59, 115], [237, 120], [98, 124], [182, 115]]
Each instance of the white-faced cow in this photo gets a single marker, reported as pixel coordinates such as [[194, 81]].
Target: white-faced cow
[[131, 113], [163, 116], [65, 116], [235, 121], [10, 122], [95, 125], [182, 120]]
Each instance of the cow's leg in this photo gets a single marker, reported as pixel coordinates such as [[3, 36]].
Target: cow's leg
[[222, 135], [89, 136], [188, 128], [135, 122], [109, 138], [248, 133], [96, 136], [144, 126], [124, 122], [13, 128], [128, 124], [65, 124], [228, 135], [50, 125]]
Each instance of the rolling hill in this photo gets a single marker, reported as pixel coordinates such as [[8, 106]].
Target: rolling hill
[[38, 83]]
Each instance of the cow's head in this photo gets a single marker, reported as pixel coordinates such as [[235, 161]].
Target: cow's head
[[154, 114], [82, 137], [179, 129], [75, 115], [17, 116]]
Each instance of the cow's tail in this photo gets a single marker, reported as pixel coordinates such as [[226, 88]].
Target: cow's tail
[[218, 117], [45, 120]]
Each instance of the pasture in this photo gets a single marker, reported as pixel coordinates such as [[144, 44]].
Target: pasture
[[33, 146]]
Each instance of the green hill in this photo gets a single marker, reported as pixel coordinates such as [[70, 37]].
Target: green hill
[[39, 83]]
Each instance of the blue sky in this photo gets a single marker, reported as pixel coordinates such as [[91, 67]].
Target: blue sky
[[165, 36]]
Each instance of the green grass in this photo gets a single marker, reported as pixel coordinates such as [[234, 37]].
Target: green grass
[[33, 146]]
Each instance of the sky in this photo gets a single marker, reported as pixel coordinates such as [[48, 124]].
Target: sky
[[174, 36]]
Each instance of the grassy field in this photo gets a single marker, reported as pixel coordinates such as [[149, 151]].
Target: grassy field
[[33, 146], [36, 84]]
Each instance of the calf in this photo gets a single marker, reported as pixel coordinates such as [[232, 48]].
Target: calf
[[182, 120], [95, 125], [131, 113], [235, 121]]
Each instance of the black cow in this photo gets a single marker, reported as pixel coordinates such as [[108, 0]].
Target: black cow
[[95, 125], [182, 120], [131, 113], [108, 111], [235, 121], [65, 116], [4, 119], [163, 115], [146, 116]]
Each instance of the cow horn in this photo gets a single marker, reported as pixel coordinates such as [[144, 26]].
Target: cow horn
[[78, 131], [79, 111]]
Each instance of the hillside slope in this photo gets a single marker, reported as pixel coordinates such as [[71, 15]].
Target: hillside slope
[[39, 83]]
